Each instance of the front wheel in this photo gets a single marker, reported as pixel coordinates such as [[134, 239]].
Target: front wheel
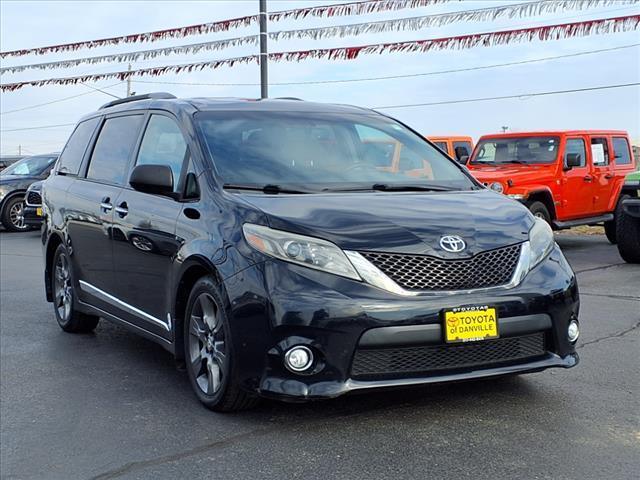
[[69, 319], [209, 353], [13, 215], [538, 209]]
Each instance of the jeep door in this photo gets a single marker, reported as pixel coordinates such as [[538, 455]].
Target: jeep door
[[144, 240], [602, 173], [577, 182], [89, 209]]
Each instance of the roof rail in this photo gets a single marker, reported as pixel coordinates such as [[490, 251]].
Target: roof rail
[[289, 98], [135, 98]]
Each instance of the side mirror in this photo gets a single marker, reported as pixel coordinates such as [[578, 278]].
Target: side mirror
[[573, 160], [155, 179], [463, 159]]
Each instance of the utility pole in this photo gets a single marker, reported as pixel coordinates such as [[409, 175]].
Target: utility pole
[[504, 129], [19, 150], [129, 82], [264, 82]]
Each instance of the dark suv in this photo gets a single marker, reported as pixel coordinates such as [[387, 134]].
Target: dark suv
[[263, 244]]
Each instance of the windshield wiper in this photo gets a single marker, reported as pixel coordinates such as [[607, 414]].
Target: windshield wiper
[[384, 187], [268, 188]]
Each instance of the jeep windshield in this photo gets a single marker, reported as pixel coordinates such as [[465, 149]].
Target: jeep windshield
[[517, 150], [306, 152]]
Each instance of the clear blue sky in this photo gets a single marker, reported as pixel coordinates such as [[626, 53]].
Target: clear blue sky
[[30, 24]]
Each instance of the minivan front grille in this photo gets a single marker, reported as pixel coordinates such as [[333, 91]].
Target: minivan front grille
[[404, 361], [487, 269], [33, 198]]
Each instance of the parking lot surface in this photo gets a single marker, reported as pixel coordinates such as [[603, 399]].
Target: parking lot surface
[[113, 405]]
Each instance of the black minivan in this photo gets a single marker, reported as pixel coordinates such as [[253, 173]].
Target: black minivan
[[278, 249]]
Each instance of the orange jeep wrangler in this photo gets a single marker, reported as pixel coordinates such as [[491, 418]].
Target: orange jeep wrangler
[[568, 178], [458, 148]]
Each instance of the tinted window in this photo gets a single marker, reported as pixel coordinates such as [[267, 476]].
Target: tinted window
[[442, 146], [322, 151], [30, 166], [110, 158], [621, 151], [599, 151], [575, 146], [163, 144], [461, 149], [71, 156], [517, 150]]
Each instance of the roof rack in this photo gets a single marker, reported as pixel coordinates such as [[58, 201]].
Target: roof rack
[[135, 98]]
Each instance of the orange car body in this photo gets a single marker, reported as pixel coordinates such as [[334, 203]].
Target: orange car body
[[456, 147], [577, 175]]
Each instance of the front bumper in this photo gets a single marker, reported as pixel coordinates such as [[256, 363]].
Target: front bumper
[[276, 305], [32, 215]]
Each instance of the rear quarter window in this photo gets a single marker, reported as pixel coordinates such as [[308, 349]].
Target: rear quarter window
[[621, 151], [71, 157]]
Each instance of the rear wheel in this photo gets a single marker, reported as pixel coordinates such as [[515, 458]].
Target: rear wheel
[[628, 233], [13, 215], [611, 227], [69, 319], [209, 353], [539, 209]]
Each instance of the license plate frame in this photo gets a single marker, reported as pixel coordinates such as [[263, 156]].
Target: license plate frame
[[470, 324]]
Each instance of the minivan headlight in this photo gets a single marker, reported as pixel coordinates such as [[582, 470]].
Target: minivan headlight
[[541, 241], [307, 251]]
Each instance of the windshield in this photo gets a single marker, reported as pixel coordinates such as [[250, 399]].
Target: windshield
[[322, 152], [30, 166], [516, 150]]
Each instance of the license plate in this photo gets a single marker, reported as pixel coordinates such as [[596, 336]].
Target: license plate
[[39, 211], [470, 324]]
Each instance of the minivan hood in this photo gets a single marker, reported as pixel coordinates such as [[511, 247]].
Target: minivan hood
[[400, 222]]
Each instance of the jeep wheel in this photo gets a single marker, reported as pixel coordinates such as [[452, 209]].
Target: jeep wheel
[[628, 233], [538, 209], [611, 227]]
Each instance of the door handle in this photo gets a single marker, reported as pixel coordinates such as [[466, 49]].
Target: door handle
[[105, 205], [608, 176], [588, 178], [122, 210]]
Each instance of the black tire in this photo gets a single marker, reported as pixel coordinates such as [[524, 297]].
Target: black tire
[[611, 227], [209, 354], [628, 233], [64, 297], [12, 214], [539, 209]]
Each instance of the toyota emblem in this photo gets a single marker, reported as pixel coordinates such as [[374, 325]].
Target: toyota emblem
[[452, 243]]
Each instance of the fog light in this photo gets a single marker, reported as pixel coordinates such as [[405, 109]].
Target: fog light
[[573, 331], [298, 358]]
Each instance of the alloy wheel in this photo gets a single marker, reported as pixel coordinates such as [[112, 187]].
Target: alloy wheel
[[207, 347], [16, 216], [63, 291]]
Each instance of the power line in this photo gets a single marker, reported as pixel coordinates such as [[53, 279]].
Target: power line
[[56, 101], [522, 96], [390, 77], [448, 102], [39, 127]]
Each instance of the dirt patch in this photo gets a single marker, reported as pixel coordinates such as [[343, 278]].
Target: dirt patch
[[583, 230]]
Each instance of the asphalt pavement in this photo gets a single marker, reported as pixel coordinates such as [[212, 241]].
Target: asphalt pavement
[[113, 405]]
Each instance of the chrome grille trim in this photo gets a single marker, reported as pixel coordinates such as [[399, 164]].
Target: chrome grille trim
[[488, 269], [33, 199]]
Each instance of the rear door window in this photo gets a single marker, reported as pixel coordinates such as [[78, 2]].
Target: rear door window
[[110, 159], [599, 152], [575, 146], [163, 144], [621, 151], [71, 157]]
